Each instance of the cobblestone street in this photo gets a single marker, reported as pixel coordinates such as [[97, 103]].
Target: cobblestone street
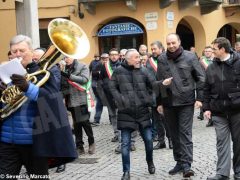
[[105, 164]]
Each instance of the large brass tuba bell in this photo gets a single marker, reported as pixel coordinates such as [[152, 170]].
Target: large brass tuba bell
[[69, 40]]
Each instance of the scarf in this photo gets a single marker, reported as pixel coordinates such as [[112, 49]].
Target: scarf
[[176, 54]]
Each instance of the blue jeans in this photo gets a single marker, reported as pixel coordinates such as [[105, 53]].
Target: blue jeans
[[146, 134]]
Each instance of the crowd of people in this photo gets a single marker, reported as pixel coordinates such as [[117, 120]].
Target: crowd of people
[[153, 93]]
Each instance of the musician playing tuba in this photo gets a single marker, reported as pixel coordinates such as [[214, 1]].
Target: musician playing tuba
[[39, 129]]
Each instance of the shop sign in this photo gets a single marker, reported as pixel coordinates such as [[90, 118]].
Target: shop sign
[[120, 29]]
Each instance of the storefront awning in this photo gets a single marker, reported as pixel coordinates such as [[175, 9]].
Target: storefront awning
[[120, 29]]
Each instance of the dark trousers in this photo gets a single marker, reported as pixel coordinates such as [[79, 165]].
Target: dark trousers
[[80, 122], [13, 156], [99, 106], [98, 109], [226, 127], [180, 120], [159, 123], [78, 127]]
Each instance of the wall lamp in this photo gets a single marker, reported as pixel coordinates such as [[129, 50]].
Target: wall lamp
[[80, 13]]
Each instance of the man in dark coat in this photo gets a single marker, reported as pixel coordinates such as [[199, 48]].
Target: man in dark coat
[[105, 75], [95, 69], [160, 127], [180, 73], [130, 87], [39, 129], [222, 104]]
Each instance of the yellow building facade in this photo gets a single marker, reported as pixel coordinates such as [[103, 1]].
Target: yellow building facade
[[194, 27]]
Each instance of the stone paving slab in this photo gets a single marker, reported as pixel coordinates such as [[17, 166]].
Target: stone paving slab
[[109, 164]]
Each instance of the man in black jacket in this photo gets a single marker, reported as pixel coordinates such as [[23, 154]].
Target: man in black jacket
[[222, 104], [131, 88], [160, 127], [105, 76], [95, 69], [179, 70]]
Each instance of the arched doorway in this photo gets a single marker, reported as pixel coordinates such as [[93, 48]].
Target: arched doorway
[[229, 31], [192, 33], [186, 35], [128, 33]]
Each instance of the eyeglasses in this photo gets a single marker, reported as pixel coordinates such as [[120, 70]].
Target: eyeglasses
[[207, 51]]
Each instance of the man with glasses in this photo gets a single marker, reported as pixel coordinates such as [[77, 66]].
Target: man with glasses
[[205, 60], [222, 105], [105, 75]]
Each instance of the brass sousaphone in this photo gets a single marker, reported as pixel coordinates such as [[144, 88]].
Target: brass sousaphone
[[68, 39]]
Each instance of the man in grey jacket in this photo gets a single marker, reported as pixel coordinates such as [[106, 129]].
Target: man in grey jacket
[[77, 76], [180, 73]]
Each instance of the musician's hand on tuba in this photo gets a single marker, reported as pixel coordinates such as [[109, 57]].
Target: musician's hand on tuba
[[20, 82], [2, 86], [64, 74]]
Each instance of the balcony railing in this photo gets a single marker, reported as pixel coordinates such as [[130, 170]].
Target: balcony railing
[[231, 7], [233, 1]]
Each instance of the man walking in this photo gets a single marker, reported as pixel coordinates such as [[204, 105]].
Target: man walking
[[160, 128], [77, 76], [131, 88], [179, 70], [95, 69], [205, 61], [105, 75], [222, 104]]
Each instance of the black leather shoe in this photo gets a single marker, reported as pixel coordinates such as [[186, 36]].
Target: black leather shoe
[[210, 123], [170, 143], [160, 145], [81, 150], [155, 139], [187, 171], [151, 168], [237, 176], [114, 139], [132, 148], [126, 176], [177, 169], [118, 149], [218, 177], [200, 117], [61, 168]]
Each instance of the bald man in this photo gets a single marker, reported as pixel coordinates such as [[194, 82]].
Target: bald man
[[179, 71]]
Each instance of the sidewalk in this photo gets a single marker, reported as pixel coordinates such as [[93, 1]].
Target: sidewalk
[[106, 165]]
